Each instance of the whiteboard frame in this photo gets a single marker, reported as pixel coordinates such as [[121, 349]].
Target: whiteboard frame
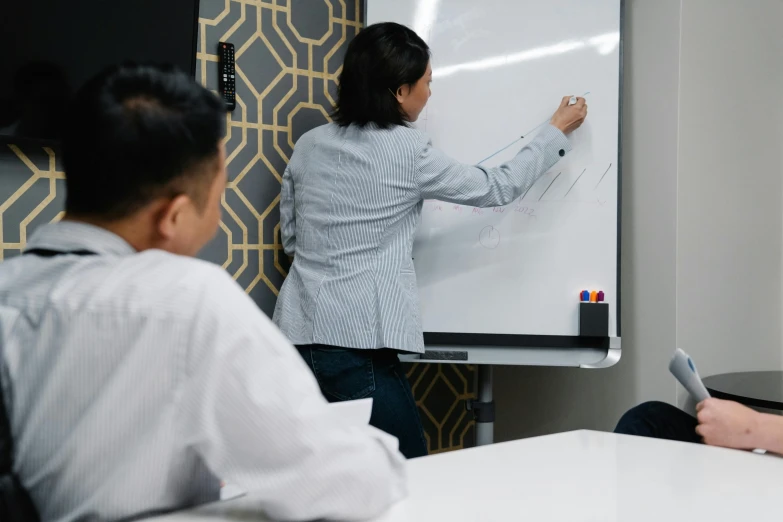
[[541, 350]]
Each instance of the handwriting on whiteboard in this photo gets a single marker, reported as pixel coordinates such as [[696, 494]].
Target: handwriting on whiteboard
[[489, 237], [527, 211], [445, 208]]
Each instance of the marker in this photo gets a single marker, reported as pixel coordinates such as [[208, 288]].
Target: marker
[[573, 100], [526, 133], [593, 296], [601, 297], [585, 296]]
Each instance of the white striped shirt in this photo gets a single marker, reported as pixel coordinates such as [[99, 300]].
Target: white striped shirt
[[135, 380], [349, 208]]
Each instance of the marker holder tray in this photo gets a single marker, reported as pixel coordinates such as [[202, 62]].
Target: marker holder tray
[[593, 319]]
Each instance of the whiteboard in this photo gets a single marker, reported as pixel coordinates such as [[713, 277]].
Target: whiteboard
[[500, 68]]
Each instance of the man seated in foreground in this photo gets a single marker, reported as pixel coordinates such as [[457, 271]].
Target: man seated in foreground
[[717, 423], [137, 377]]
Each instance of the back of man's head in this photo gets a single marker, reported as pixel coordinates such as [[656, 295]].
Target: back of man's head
[[141, 136]]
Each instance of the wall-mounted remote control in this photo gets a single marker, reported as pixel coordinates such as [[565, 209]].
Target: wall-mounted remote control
[[226, 75]]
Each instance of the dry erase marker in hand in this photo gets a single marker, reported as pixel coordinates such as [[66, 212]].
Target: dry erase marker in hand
[[573, 99]]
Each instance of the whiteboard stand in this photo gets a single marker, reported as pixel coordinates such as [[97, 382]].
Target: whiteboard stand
[[485, 357], [483, 407]]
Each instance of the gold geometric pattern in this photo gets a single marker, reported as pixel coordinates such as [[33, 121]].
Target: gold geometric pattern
[[45, 178], [441, 391], [289, 55]]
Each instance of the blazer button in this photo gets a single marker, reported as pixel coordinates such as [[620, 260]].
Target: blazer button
[[562, 153]]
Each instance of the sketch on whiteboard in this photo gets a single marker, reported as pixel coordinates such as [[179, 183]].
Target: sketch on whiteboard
[[437, 206], [520, 138], [575, 182], [550, 186], [525, 193], [489, 237], [578, 178], [602, 177], [473, 265]]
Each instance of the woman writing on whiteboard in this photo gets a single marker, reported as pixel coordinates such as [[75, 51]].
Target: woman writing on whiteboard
[[351, 200]]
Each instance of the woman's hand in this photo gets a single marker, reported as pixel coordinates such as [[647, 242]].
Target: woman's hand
[[568, 118]]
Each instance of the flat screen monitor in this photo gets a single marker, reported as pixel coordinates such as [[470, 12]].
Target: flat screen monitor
[[50, 48]]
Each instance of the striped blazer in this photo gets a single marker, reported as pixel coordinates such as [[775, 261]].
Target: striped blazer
[[350, 204]]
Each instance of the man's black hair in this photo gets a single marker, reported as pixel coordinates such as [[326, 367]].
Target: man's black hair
[[136, 133], [379, 60]]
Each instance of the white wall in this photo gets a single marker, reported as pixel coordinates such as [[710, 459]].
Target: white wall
[[702, 170], [729, 184]]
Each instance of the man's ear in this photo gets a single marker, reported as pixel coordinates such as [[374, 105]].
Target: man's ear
[[170, 216]]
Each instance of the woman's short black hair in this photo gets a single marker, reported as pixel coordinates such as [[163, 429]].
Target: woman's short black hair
[[136, 133], [381, 59]]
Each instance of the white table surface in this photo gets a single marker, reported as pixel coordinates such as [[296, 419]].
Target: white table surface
[[578, 476]]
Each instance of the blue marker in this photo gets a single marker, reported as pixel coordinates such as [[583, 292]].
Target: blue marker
[[585, 296]]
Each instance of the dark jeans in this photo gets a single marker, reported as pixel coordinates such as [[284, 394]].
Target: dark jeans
[[346, 374], [659, 421]]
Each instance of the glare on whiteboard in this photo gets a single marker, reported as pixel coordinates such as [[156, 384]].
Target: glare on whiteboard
[[423, 20], [603, 43]]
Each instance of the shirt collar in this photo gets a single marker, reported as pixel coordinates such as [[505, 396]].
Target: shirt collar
[[71, 235]]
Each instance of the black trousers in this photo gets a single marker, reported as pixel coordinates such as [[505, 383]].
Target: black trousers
[[660, 421], [346, 374]]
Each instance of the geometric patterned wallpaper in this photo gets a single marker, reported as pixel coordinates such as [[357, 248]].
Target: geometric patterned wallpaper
[[289, 54], [287, 65]]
